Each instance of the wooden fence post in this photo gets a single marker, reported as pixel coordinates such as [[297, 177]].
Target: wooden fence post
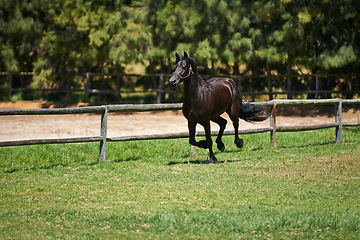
[[10, 78], [160, 91], [103, 133], [87, 85], [317, 86], [338, 119], [273, 125], [289, 83], [118, 87]]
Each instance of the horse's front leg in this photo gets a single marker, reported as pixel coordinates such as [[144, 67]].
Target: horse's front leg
[[192, 140], [209, 142], [203, 143]]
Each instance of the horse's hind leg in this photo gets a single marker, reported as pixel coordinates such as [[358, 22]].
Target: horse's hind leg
[[222, 123], [234, 116], [239, 142]]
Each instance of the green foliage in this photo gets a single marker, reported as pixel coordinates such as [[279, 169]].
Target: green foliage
[[8, 57], [50, 37], [305, 188], [17, 97], [133, 36], [339, 58]]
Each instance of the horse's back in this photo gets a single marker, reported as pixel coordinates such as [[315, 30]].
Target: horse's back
[[221, 80], [217, 79], [224, 92], [220, 83]]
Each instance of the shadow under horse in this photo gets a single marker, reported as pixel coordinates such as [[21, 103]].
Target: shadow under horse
[[205, 100]]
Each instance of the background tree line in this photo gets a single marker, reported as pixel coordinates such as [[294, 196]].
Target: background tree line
[[49, 37]]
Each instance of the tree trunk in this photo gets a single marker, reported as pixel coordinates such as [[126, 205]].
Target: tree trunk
[[252, 87], [160, 86], [267, 64], [236, 68], [151, 66], [21, 63], [268, 79], [118, 83], [349, 87], [328, 87], [212, 67], [289, 80]]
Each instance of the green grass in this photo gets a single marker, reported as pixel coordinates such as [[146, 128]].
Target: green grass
[[306, 188]]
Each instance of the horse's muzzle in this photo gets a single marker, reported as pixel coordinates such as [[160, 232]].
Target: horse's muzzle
[[174, 81]]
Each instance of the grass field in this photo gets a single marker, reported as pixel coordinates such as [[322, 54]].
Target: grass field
[[306, 188]]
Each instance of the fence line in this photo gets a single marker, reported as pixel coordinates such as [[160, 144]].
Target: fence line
[[105, 109], [160, 89]]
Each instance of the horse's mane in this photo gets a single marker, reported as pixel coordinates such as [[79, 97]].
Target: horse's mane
[[194, 66]]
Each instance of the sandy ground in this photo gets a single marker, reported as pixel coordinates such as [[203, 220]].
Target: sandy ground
[[86, 125]]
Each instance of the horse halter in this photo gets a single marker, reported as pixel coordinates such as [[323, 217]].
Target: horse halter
[[181, 77]]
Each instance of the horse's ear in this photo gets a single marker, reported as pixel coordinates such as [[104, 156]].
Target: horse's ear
[[186, 55], [177, 57]]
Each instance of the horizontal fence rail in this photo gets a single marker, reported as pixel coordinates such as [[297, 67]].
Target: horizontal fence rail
[[315, 83], [105, 109]]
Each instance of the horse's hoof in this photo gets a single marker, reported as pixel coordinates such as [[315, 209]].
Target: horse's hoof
[[221, 147], [213, 160], [240, 143]]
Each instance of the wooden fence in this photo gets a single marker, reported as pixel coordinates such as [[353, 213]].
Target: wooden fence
[[160, 88], [105, 109]]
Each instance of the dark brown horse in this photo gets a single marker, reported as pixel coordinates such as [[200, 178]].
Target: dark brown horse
[[206, 100]]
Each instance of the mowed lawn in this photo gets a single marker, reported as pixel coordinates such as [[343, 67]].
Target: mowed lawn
[[307, 187]]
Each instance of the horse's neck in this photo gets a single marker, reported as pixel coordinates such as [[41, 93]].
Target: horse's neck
[[192, 86]]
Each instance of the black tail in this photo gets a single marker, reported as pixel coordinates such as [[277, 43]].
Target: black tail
[[249, 112]]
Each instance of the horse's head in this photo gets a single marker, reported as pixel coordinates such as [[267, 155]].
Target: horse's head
[[183, 69]]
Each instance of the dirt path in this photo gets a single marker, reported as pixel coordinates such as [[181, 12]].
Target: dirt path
[[85, 125]]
